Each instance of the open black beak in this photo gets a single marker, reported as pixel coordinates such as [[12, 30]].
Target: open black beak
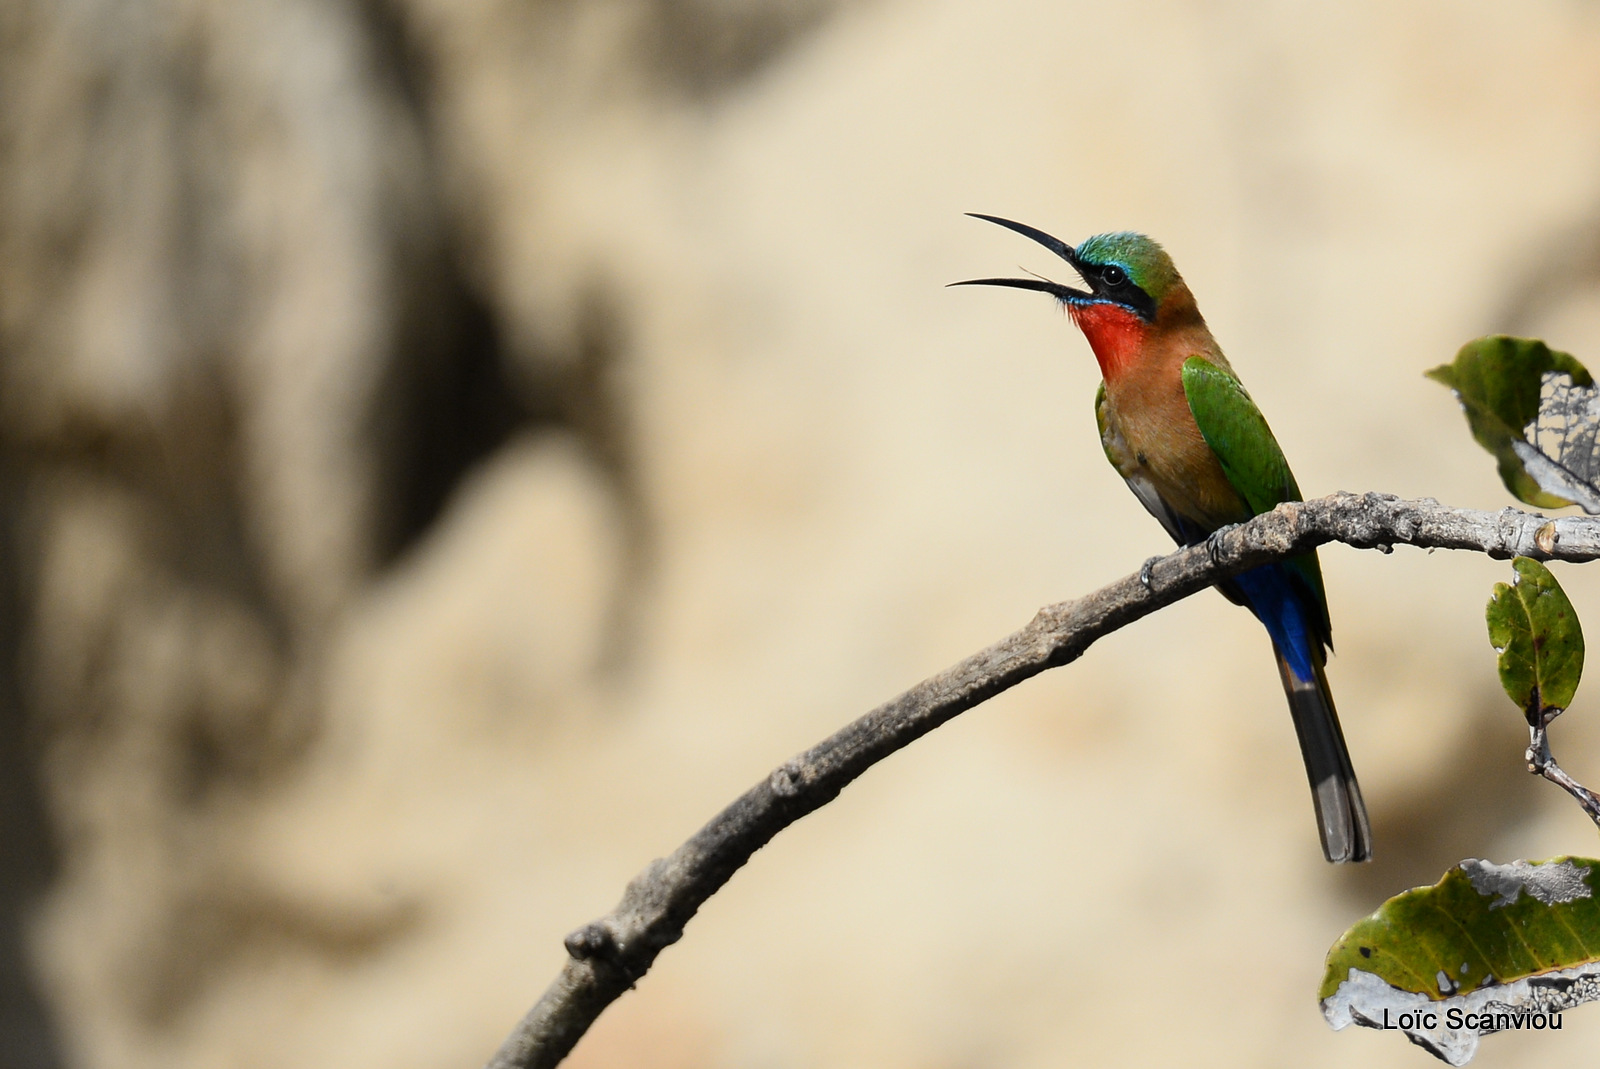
[[1042, 285]]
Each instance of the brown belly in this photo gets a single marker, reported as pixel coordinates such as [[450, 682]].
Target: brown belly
[[1163, 444]]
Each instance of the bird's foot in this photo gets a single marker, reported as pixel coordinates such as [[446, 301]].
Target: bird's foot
[[1214, 544], [1144, 572]]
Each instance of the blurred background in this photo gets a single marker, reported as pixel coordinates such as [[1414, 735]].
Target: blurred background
[[450, 448]]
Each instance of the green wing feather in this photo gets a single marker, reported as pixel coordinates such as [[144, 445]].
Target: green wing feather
[[1238, 434], [1250, 456], [1100, 422]]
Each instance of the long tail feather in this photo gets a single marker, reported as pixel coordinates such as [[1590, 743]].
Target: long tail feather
[[1341, 814]]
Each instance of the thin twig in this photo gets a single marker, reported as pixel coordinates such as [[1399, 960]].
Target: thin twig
[[608, 955], [1541, 762]]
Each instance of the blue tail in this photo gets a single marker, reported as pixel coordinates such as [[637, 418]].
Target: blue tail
[[1294, 620], [1271, 593]]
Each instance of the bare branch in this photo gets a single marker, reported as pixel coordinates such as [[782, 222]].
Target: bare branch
[[1541, 762], [608, 955]]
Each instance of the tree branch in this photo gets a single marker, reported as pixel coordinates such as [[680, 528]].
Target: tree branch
[[608, 955], [1541, 762]]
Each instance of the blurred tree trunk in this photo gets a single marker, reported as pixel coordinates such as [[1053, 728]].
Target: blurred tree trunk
[[253, 331]]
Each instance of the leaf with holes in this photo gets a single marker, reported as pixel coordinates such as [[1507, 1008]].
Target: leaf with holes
[[1536, 632], [1487, 948], [1538, 411]]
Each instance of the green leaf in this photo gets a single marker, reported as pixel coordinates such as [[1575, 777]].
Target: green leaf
[[1536, 632], [1498, 380], [1522, 938]]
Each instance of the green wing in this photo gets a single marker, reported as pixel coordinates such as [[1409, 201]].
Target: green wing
[[1100, 421], [1238, 434], [1251, 458]]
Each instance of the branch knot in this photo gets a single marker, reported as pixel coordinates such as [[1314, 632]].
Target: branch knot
[[1507, 528], [786, 780], [592, 941]]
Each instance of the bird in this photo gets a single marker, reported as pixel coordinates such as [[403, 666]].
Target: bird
[[1179, 427]]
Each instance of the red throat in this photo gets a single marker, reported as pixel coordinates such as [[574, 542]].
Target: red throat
[[1115, 334]]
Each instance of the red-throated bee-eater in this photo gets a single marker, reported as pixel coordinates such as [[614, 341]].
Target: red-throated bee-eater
[[1197, 453]]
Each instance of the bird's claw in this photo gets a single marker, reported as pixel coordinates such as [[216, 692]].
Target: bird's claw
[[1214, 543], [1144, 572]]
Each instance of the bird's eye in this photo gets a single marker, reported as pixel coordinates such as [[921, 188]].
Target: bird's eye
[[1112, 275]]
